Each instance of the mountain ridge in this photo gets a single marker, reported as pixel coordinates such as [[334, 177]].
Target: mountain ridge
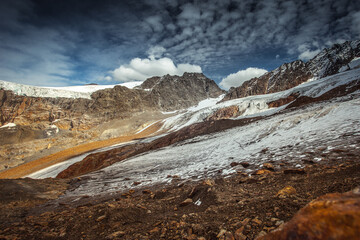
[[328, 62]]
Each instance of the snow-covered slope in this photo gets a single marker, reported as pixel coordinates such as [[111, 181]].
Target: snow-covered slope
[[66, 92], [257, 105], [293, 136]]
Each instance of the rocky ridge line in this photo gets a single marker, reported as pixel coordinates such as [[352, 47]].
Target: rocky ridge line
[[328, 62]]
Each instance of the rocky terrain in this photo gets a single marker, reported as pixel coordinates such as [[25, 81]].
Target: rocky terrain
[[215, 208], [63, 122], [326, 63], [275, 166]]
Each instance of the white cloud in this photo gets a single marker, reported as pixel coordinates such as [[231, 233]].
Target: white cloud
[[156, 52], [140, 69], [308, 54], [237, 79]]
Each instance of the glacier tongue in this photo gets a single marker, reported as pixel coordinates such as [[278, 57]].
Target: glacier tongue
[[288, 136]]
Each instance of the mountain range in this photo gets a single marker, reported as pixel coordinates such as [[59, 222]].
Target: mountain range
[[182, 140]]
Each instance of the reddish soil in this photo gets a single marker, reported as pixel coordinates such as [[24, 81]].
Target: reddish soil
[[33, 166], [239, 207]]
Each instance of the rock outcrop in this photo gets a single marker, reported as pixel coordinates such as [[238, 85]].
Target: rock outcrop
[[326, 63], [156, 94], [177, 92], [332, 216]]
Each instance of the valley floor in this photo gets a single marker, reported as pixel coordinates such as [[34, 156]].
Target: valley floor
[[240, 206], [50, 160]]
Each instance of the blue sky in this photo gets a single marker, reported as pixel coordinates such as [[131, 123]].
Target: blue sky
[[62, 42]]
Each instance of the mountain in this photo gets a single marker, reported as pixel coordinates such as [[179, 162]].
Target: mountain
[[326, 63], [168, 93], [207, 168], [88, 116]]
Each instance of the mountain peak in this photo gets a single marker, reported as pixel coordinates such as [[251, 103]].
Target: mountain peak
[[328, 62]]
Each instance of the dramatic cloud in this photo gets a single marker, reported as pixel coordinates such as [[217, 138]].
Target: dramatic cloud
[[237, 79], [66, 42], [140, 69]]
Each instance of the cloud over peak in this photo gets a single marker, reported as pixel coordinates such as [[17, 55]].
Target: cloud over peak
[[155, 65], [237, 79]]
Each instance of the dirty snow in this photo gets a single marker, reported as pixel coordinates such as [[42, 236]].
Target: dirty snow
[[54, 170], [257, 105], [286, 137]]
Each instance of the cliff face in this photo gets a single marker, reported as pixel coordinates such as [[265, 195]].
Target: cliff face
[[156, 94], [326, 63], [177, 92]]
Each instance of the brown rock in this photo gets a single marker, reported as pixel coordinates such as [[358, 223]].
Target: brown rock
[[99, 219], [224, 113], [186, 202], [286, 191], [245, 164], [257, 221], [269, 166], [239, 234], [234, 164], [147, 191], [115, 235], [262, 172], [282, 101], [209, 182], [332, 216], [225, 235], [154, 230]]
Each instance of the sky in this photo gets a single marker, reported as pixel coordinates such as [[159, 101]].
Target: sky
[[64, 43]]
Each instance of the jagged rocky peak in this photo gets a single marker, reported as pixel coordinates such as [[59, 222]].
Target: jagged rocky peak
[[328, 62], [177, 92], [186, 77], [284, 77]]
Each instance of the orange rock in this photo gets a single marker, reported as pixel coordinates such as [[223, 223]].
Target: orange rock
[[286, 191], [261, 172], [268, 166], [332, 216], [209, 182], [155, 230], [186, 202]]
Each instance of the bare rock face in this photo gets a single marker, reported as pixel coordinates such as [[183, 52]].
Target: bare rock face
[[330, 60], [224, 113], [332, 216], [157, 93], [177, 92], [284, 77], [326, 63]]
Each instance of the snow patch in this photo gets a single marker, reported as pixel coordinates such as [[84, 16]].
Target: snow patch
[[9, 125], [65, 92]]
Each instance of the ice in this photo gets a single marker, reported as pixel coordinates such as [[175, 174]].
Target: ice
[[257, 105], [355, 63], [289, 133], [66, 92]]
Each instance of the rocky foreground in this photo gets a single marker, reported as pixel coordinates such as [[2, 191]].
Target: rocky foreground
[[237, 207]]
